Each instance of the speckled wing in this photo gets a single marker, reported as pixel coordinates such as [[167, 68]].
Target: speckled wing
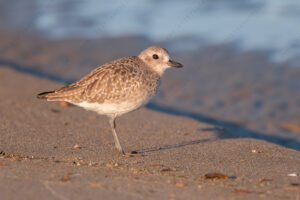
[[122, 80]]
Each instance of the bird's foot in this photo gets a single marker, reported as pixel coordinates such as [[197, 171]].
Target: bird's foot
[[121, 151]]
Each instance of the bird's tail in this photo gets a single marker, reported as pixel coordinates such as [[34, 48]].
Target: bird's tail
[[44, 95]]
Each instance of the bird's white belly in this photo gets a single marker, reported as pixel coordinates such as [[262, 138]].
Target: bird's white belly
[[109, 108]]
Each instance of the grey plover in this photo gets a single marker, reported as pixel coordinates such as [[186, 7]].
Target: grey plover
[[117, 87]]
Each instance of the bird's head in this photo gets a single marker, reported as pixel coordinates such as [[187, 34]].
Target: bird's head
[[157, 58]]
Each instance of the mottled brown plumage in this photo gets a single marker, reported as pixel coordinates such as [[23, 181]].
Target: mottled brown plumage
[[118, 87], [114, 82]]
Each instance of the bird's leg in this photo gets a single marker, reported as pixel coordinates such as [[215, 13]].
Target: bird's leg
[[113, 127]]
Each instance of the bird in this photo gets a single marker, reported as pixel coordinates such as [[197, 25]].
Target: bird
[[117, 87]]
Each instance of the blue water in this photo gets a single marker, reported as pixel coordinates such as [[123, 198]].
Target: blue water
[[272, 25]]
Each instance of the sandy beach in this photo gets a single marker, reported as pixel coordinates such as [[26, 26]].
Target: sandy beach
[[241, 91], [53, 151], [58, 151]]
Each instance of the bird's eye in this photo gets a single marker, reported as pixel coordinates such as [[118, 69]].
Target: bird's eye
[[155, 56]]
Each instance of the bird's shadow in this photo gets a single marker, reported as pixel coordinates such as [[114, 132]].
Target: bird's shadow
[[170, 146], [231, 130], [234, 130]]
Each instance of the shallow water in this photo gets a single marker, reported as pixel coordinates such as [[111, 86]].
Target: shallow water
[[251, 24]]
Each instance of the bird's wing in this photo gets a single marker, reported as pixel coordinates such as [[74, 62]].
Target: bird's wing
[[107, 82], [114, 84]]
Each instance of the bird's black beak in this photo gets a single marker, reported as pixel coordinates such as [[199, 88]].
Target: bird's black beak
[[172, 63]]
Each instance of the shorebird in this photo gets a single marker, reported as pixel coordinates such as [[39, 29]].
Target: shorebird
[[117, 87]]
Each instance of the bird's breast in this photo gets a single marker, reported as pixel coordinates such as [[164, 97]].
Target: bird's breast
[[112, 108]]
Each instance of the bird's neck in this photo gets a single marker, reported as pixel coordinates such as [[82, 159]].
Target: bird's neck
[[159, 70]]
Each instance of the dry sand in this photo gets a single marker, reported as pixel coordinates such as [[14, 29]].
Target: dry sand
[[39, 159]]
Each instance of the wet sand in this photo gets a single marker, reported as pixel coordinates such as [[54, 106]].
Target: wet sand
[[52, 151], [241, 91]]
